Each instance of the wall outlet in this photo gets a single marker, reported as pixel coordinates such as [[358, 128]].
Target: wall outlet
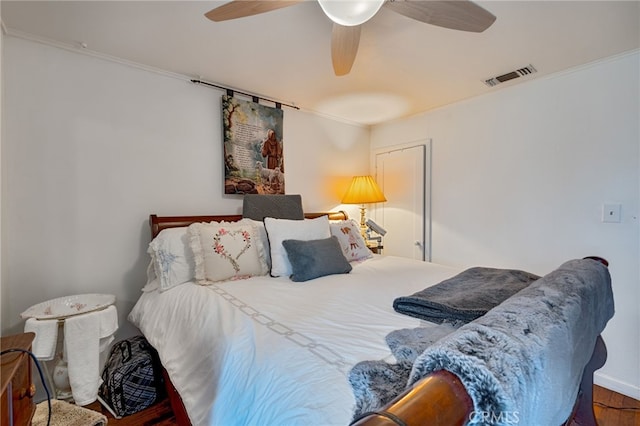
[[611, 213]]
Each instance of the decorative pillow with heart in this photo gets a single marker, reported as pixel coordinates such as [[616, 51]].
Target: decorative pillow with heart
[[226, 251]]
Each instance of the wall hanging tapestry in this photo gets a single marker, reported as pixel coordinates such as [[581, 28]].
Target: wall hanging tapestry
[[253, 154]]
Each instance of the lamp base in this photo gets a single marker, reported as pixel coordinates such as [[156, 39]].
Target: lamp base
[[363, 226]]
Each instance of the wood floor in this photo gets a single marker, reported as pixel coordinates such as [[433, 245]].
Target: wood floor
[[625, 413], [611, 408]]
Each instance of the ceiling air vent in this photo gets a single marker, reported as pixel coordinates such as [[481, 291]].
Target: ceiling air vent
[[494, 81]]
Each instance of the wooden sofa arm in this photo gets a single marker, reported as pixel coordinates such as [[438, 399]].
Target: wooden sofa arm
[[439, 399]]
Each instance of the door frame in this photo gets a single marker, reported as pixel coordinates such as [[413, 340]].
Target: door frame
[[426, 178]]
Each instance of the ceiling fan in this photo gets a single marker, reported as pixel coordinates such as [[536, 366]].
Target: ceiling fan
[[349, 15]]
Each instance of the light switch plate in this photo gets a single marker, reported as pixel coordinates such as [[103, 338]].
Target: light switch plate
[[611, 213]]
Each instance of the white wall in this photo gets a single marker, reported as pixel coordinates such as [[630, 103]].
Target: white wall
[[92, 147], [519, 177]]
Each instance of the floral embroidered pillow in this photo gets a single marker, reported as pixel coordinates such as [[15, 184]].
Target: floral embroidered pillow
[[226, 251], [350, 239], [263, 239], [172, 258]]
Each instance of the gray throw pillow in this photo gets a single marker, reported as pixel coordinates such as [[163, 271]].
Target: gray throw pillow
[[315, 258]]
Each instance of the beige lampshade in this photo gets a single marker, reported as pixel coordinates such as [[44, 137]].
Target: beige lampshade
[[363, 190]]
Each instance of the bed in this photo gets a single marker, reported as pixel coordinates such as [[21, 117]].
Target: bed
[[266, 350]]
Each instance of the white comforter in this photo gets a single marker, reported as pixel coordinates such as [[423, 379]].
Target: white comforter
[[269, 351]]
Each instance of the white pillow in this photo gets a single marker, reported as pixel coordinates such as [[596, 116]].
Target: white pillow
[[172, 258], [152, 279], [226, 251], [279, 230], [350, 239]]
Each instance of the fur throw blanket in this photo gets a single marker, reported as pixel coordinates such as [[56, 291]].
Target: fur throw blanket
[[523, 359]]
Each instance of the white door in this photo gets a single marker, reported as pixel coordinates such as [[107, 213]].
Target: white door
[[402, 175]]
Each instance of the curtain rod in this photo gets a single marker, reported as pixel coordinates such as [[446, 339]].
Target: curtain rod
[[255, 98]]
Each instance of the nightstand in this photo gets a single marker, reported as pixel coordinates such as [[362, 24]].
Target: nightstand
[[18, 389]]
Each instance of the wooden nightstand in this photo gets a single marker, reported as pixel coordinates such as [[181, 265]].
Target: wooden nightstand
[[15, 375]]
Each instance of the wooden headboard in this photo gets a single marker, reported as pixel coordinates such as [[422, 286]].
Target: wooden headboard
[[158, 223]]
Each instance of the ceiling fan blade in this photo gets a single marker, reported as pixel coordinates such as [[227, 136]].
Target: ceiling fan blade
[[241, 8], [344, 47], [461, 15]]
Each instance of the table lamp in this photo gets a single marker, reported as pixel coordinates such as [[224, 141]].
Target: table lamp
[[363, 190]]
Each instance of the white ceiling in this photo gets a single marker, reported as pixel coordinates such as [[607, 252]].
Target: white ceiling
[[403, 66]]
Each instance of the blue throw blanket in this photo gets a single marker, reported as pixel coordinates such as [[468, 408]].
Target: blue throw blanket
[[521, 361]]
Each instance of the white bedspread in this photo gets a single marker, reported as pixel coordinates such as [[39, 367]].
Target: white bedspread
[[268, 351]]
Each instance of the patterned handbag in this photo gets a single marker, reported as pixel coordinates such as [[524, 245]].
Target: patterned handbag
[[132, 377]]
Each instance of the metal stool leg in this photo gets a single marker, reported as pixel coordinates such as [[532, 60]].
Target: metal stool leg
[[49, 379]]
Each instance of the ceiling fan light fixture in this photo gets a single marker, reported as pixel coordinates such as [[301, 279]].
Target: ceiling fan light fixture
[[350, 12]]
